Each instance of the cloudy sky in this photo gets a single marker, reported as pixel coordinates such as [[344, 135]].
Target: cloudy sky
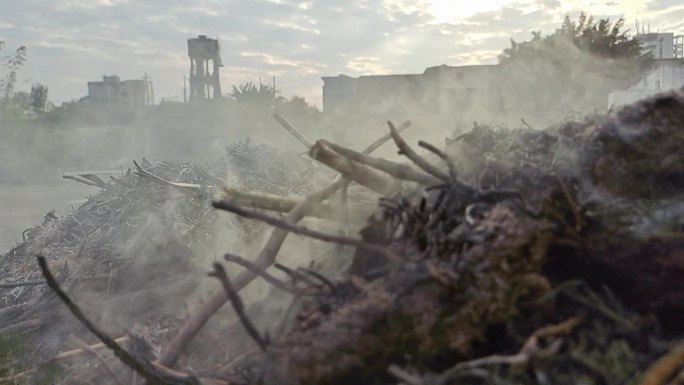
[[73, 41]]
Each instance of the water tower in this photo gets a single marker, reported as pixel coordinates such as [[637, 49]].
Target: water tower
[[205, 60]]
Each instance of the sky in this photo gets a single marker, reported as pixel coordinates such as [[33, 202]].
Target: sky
[[71, 42]]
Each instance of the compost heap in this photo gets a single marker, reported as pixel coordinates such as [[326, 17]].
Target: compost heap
[[511, 256]]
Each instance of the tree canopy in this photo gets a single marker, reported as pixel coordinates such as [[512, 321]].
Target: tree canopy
[[600, 38], [10, 63]]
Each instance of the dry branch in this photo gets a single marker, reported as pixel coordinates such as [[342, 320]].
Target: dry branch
[[140, 365], [220, 274], [97, 356], [82, 180], [266, 258], [442, 155], [185, 186], [665, 367], [405, 149], [259, 271], [293, 130], [396, 169], [360, 174], [301, 230]]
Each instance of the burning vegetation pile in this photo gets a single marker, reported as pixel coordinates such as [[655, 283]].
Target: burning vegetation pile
[[508, 256]]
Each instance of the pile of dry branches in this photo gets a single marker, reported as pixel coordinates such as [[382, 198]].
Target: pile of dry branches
[[507, 257]]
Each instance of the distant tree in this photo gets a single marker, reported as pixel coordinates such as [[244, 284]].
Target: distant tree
[[599, 38], [9, 68], [573, 69], [258, 95], [39, 97]]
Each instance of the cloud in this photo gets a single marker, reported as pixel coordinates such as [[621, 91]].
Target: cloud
[[72, 42]]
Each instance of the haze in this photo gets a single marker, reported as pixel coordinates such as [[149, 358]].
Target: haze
[[72, 42]]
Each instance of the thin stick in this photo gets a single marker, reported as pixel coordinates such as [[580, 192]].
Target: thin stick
[[259, 271], [296, 275], [220, 273], [359, 173], [140, 365], [19, 284], [396, 169], [97, 355], [81, 180], [442, 155], [343, 211], [385, 138], [265, 259], [325, 281], [405, 149], [293, 130], [76, 352], [301, 230]]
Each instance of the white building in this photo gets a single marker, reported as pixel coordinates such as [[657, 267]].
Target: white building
[[660, 45], [668, 75], [112, 91]]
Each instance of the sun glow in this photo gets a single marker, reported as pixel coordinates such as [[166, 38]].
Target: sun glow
[[450, 11]]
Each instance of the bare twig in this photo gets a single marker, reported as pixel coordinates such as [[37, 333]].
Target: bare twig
[[405, 149], [260, 272], [220, 273], [296, 275], [664, 367], [403, 375], [530, 350], [293, 130], [143, 367], [76, 352], [98, 356], [266, 258], [522, 120], [396, 169], [359, 173], [184, 186], [235, 209], [325, 281], [22, 326], [81, 180], [385, 138], [442, 155], [18, 284], [343, 211]]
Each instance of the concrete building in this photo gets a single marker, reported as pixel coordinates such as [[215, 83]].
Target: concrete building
[[659, 45], [437, 91], [668, 75], [205, 61], [113, 91]]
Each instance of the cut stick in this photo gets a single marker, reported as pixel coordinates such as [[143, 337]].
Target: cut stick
[[272, 202], [266, 258], [396, 169], [359, 173], [293, 130]]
